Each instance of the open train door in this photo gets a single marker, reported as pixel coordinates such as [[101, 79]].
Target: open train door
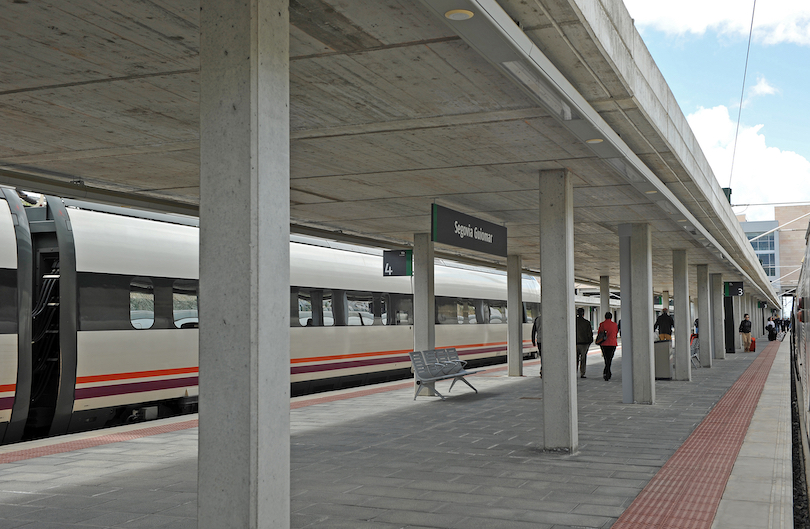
[[53, 321]]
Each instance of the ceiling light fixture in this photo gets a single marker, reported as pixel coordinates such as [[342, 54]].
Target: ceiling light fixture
[[594, 140], [651, 192], [459, 14]]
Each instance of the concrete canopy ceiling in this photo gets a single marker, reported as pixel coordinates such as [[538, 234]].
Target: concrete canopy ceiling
[[391, 110]]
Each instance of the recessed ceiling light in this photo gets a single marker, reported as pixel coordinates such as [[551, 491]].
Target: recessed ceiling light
[[459, 14], [651, 192], [594, 140], [681, 220]]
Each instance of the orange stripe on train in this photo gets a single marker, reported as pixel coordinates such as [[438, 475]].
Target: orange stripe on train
[[136, 374]]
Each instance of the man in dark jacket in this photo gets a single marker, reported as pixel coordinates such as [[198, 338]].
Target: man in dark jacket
[[584, 338], [664, 324], [745, 333], [536, 335]]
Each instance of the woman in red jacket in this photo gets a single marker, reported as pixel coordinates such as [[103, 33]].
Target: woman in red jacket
[[609, 345]]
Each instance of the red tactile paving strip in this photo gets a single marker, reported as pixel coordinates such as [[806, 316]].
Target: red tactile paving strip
[[69, 446], [687, 490]]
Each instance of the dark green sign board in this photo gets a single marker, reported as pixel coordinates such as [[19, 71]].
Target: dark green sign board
[[398, 263], [463, 231], [733, 288]]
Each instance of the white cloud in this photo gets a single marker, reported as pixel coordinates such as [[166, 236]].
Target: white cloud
[[761, 173], [775, 21], [762, 88]]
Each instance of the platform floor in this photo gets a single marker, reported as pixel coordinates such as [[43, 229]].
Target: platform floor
[[374, 458]]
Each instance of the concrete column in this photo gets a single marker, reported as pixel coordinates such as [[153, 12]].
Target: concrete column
[[244, 351], [557, 274], [718, 332], [514, 322], [680, 293], [704, 316], [739, 316], [665, 299], [604, 299], [625, 260], [639, 312], [424, 305]]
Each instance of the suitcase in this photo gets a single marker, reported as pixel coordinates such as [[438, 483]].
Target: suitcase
[[753, 347]]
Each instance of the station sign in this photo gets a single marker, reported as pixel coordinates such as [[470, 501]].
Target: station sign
[[464, 231], [733, 288], [397, 263]]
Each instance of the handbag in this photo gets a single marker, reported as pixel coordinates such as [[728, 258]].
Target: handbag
[[601, 337]]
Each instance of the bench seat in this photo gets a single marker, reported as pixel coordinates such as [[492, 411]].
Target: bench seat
[[438, 364]]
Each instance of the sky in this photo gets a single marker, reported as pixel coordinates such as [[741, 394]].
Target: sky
[[700, 47]]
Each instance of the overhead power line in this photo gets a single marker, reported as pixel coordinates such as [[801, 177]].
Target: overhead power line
[[742, 93]]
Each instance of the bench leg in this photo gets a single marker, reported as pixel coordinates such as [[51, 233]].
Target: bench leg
[[429, 387], [463, 380]]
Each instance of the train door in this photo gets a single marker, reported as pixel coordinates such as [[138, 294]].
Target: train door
[[53, 316]]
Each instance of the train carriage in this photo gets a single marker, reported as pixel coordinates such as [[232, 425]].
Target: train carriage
[[98, 316]]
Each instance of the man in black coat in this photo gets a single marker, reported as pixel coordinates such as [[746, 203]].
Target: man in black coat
[[664, 324], [745, 333], [584, 338]]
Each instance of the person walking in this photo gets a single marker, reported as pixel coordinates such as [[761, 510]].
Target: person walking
[[584, 339], [610, 343], [745, 332], [664, 324], [536, 342], [771, 328]]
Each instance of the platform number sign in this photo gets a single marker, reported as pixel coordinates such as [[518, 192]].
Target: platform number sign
[[397, 263], [733, 288]]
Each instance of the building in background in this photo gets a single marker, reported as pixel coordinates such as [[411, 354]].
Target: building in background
[[781, 251]]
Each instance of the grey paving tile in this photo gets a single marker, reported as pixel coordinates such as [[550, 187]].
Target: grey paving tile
[[385, 461]]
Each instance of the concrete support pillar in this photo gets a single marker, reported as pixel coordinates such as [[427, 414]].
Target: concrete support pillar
[[680, 292], [604, 299], [704, 316], [718, 332], [424, 305], [514, 322], [557, 272], [635, 251], [244, 352], [665, 299], [738, 310]]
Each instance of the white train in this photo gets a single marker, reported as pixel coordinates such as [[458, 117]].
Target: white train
[[98, 316]]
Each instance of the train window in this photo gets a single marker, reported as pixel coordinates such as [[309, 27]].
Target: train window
[[532, 311], [184, 304], [361, 308], [399, 309], [141, 303], [305, 309], [468, 312], [447, 311], [497, 312], [328, 316], [315, 307]]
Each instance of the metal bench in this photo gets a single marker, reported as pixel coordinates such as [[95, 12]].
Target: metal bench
[[437, 364]]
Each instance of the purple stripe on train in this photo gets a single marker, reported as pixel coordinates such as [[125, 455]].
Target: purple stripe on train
[[135, 387], [378, 361], [6, 403]]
